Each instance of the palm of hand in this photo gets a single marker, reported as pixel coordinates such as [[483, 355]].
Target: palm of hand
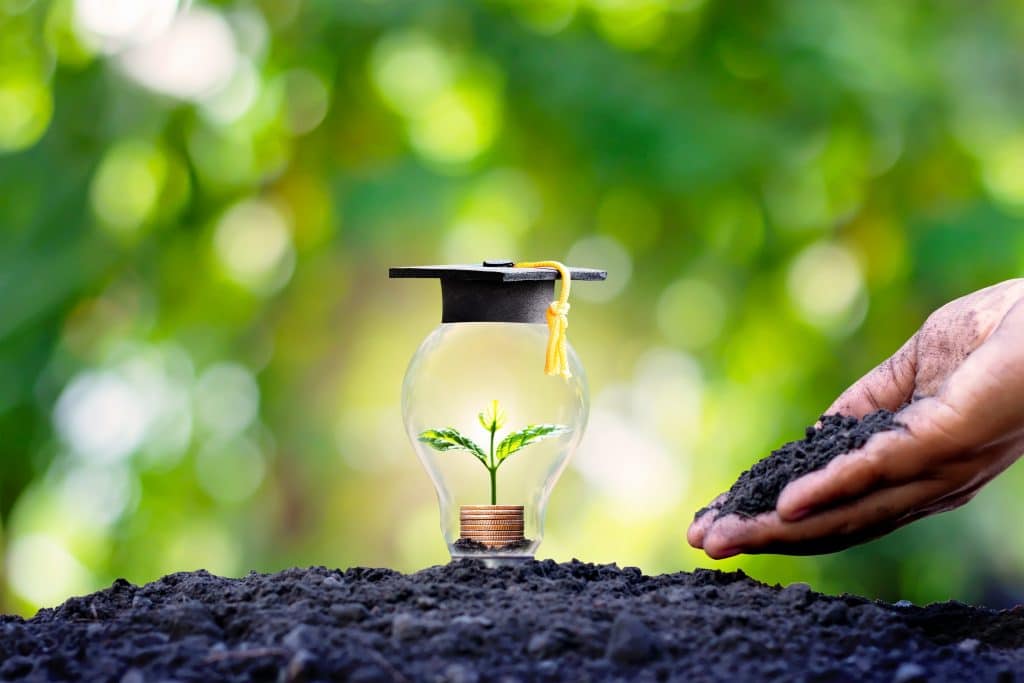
[[963, 374]]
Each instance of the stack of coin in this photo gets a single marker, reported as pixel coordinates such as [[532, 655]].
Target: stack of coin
[[492, 525]]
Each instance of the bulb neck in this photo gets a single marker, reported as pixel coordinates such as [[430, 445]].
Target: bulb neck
[[476, 301]]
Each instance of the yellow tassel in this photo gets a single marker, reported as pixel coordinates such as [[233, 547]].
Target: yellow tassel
[[556, 360]]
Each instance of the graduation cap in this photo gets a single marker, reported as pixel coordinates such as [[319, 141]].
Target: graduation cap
[[506, 291]]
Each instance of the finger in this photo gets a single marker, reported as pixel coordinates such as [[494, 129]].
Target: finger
[[858, 521], [888, 458], [848, 476], [724, 536], [889, 385], [973, 473], [703, 520]]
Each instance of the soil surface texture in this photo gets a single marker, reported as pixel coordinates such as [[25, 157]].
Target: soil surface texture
[[757, 490], [469, 545], [535, 621]]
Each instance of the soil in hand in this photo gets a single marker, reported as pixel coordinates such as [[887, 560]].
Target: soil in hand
[[757, 490], [536, 621]]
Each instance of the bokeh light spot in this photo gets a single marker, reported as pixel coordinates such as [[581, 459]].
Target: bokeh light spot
[[193, 58], [230, 471], [1003, 172], [104, 415], [505, 197], [250, 28], [458, 125], [452, 109], [306, 100], [224, 156], [237, 96], [26, 107], [227, 399], [691, 313], [546, 16], [101, 416], [96, 496], [824, 283], [43, 571], [253, 244], [631, 24], [112, 25], [409, 69], [127, 185]]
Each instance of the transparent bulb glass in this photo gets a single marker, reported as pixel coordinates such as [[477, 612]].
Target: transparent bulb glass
[[459, 371]]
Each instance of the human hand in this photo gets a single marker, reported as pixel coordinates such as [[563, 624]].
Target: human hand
[[964, 373]]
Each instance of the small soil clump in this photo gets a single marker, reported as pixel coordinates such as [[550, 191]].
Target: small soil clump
[[535, 621], [757, 490]]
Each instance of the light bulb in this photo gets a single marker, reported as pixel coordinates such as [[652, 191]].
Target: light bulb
[[493, 431], [495, 401]]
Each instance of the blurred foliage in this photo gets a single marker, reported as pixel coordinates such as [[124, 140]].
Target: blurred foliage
[[201, 353]]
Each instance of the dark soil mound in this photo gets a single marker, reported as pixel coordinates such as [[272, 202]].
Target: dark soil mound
[[538, 621], [757, 490]]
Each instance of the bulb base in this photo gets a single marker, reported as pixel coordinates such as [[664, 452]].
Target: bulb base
[[493, 526]]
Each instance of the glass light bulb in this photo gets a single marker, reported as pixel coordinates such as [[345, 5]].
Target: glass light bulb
[[476, 403]]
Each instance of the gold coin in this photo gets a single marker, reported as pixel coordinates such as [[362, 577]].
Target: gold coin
[[491, 507], [490, 520], [499, 513], [491, 515], [492, 527], [484, 538]]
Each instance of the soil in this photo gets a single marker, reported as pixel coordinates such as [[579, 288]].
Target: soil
[[536, 621], [757, 490], [469, 545]]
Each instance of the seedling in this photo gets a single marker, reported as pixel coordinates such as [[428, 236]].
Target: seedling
[[491, 419]]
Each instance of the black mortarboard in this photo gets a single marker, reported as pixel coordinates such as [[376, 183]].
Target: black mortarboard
[[495, 291]]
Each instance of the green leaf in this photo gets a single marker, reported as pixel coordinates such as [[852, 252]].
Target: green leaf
[[451, 439], [493, 418], [524, 437]]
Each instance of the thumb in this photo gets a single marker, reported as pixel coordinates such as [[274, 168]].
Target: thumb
[[889, 385]]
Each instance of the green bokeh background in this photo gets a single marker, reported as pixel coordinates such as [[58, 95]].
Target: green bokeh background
[[201, 356]]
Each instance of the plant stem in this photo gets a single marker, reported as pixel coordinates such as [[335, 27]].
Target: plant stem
[[493, 469]]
